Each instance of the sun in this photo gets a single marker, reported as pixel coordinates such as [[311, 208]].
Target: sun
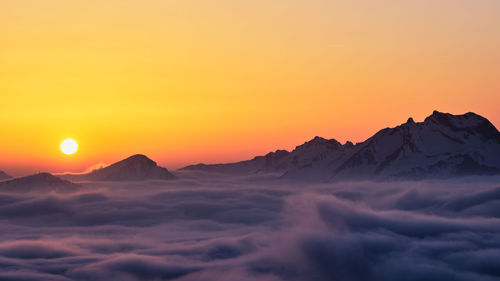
[[69, 146]]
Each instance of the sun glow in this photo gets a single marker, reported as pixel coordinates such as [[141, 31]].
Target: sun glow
[[69, 146]]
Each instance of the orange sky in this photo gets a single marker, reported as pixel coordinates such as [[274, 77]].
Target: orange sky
[[214, 81]]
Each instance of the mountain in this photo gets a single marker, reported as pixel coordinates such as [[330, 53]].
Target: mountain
[[442, 146], [42, 182], [135, 168], [312, 156], [4, 176]]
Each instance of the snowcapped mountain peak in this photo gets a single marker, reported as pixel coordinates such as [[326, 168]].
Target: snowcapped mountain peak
[[443, 145], [459, 121], [468, 124], [319, 142]]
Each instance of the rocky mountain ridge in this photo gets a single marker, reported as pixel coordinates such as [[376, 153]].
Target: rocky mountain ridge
[[442, 146]]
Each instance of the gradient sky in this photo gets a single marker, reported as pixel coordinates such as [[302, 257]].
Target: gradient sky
[[214, 81]]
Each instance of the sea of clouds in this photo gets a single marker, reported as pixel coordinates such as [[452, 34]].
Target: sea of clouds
[[209, 228]]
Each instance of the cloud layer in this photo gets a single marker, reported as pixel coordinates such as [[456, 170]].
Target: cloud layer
[[224, 229]]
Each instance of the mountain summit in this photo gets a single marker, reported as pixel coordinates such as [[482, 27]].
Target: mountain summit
[[134, 168], [442, 146]]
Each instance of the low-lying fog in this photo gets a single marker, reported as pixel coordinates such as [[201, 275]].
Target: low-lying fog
[[229, 229]]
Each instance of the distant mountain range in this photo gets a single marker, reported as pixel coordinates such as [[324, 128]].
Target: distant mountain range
[[42, 182], [442, 146], [134, 168], [4, 176]]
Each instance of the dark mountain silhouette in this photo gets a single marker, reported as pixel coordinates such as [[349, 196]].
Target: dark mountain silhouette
[[4, 176], [135, 168], [42, 182], [442, 146]]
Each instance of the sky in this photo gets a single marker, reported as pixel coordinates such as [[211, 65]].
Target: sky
[[216, 81]]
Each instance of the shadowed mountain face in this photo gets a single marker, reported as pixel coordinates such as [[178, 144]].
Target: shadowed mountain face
[[314, 154], [135, 168], [4, 176], [442, 146], [42, 182]]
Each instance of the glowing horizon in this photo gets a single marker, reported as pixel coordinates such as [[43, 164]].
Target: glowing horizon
[[186, 82]]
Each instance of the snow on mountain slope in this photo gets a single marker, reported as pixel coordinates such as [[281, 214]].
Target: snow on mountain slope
[[313, 155], [4, 176], [442, 146], [135, 168], [42, 182]]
